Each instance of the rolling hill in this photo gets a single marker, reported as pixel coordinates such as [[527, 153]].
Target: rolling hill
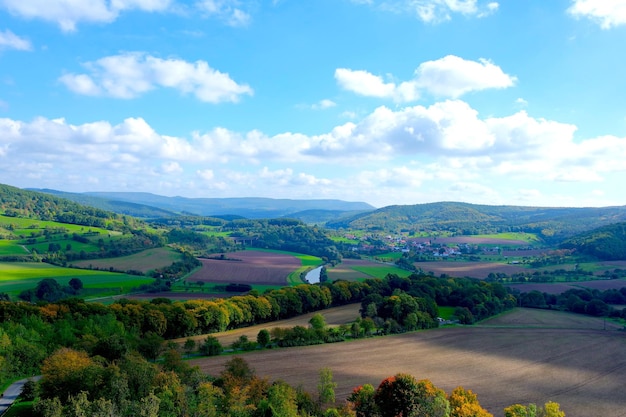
[[550, 223]]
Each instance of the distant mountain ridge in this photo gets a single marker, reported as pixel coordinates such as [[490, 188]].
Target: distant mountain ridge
[[147, 205]]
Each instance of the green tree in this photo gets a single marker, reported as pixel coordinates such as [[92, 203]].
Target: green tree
[[362, 401], [189, 346], [326, 388], [263, 338], [211, 346]]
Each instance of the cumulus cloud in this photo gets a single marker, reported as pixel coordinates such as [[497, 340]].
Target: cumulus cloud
[[446, 146], [9, 40], [608, 13], [68, 13], [228, 11], [130, 75], [450, 76]]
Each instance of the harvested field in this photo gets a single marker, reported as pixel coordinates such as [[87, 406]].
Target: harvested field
[[250, 267], [560, 287], [143, 261], [334, 317], [478, 270], [546, 357]]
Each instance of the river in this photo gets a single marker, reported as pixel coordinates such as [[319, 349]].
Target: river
[[313, 276]]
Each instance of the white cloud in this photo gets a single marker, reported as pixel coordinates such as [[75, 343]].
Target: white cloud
[[68, 13], [442, 151], [434, 11], [320, 105], [364, 83], [450, 76], [132, 74], [9, 40], [608, 13], [227, 10]]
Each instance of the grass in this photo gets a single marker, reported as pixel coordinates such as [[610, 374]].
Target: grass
[[445, 312], [12, 247], [17, 277], [20, 409], [526, 237], [382, 271], [143, 261], [26, 226]]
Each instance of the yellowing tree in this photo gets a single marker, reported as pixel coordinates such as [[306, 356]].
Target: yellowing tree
[[464, 403]]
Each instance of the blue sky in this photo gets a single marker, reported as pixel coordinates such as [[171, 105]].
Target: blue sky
[[382, 101]]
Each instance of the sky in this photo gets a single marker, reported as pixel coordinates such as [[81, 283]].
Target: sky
[[387, 102]]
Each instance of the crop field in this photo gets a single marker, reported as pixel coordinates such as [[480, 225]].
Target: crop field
[[248, 267], [478, 270], [560, 287], [334, 317], [520, 357], [17, 277], [143, 261]]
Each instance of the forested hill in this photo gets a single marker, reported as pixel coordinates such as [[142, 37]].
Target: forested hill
[[608, 242], [142, 211], [15, 202], [550, 223], [252, 207]]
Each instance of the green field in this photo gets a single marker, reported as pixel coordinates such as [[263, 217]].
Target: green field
[[382, 271], [17, 277], [24, 226], [143, 261], [526, 237], [12, 247]]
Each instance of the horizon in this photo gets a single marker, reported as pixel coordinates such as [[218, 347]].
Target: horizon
[[388, 102]]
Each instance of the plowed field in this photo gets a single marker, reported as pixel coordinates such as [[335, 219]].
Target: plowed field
[[521, 357], [248, 267]]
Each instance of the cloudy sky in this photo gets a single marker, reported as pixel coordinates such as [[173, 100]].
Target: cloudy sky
[[382, 101]]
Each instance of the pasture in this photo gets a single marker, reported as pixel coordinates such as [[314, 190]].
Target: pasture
[[17, 277], [518, 357]]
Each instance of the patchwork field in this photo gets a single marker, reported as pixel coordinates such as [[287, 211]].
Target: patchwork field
[[560, 287], [478, 270], [248, 267], [143, 261], [360, 269], [520, 357]]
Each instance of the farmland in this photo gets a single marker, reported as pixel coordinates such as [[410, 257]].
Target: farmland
[[519, 357], [360, 269], [17, 277], [248, 267], [143, 261]]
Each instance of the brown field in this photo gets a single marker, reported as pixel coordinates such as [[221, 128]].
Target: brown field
[[520, 357], [334, 317], [253, 267], [344, 270], [561, 287], [478, 270]]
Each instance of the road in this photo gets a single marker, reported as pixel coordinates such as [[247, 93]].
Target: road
[[11, 394]]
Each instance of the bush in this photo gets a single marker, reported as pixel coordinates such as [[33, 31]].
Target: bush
[[211, 347]]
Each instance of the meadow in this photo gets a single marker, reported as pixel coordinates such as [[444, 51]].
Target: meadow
[[361, 269], [522, 356], [17, 277]]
